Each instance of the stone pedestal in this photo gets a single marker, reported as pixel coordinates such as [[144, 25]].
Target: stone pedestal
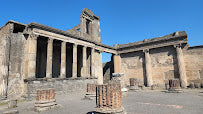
[[109, 99], [91, 91], [174, 86], [134, 84], [45, 100], [117, 77]]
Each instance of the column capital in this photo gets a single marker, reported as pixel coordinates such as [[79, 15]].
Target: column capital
[[63, 42], [50, 39], [84, 46], [33, 36], [75, 45], [146, 50]]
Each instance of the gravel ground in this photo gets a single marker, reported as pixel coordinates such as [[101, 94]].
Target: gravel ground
[[140, 102]]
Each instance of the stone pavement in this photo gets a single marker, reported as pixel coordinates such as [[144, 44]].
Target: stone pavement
[[140, 102]]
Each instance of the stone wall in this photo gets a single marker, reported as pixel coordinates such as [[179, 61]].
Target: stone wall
[[17, 55], [132, 65], [4, 34], [193, 58], [163, 63], [12, 47], [76, 86]]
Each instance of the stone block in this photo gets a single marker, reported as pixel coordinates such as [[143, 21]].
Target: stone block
[[192, 85], [197, 85], [12, 103], [11, 112]]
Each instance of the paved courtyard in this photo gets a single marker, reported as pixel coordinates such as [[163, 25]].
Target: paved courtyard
[[140, 102]]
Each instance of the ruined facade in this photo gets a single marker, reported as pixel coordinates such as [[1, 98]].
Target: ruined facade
[[154, 61], [34, 56]]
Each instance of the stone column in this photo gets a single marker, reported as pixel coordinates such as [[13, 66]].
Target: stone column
[[181, 66], [49, 58], [117, 63], [100, 68], [148, 67], [32, 53], [74, 72], [84, 62], [63, 60], [92, 63]]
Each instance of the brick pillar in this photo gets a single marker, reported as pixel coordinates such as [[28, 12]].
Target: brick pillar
[[181, 66], [91, 88], [92, 62], [174, 86], [45, 100], [134, 83], [74, 74], [109, 98], [32, 53], [49, 58], [148, 67], [63, 60], [84, 62]]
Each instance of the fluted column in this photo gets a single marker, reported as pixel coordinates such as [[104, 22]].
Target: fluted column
[[74, 72], [84, 62], [32, 53], [92, 62], [49, 58], [181, 66], [148, 67], [63, 60]]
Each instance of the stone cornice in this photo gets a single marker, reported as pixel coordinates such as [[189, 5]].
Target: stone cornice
[[168, 40], [66, 33], [174, 36]]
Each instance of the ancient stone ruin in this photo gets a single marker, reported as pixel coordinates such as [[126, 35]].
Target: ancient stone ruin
[[109, 99], [134, 83], [174, 85], [91, 91], [35, 56], [45, 100]]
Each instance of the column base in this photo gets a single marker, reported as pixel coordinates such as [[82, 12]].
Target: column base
[[110, 111]]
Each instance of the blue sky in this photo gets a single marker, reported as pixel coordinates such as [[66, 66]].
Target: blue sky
[[122, 21]]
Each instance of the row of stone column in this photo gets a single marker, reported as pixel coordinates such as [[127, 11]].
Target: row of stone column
[[31, 58], [181, 67]]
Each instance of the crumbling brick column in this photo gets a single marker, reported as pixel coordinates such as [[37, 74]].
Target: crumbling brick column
[[109, 98], [133, 83], [45, 100], [174, 85], [117, 77], [91, 91], [91, 88]]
